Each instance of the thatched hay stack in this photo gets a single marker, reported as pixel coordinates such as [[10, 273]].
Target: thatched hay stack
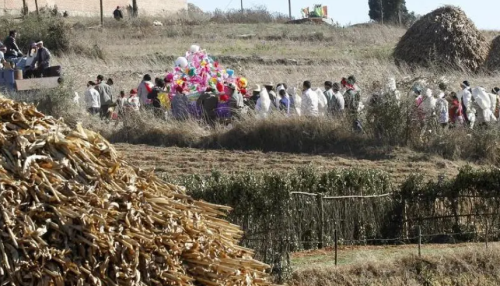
[[444, 38], [73, 213], [493, 59]]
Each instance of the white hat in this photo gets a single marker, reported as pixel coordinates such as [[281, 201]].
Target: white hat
[[257, 88], [39, 43], [428, 92]]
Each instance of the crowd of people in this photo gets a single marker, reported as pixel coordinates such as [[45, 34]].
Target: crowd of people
[[34, 63], [213, 106], [466, 107]]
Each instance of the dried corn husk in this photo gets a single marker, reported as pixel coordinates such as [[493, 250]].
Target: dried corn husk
[[444, 38], [73, 213]]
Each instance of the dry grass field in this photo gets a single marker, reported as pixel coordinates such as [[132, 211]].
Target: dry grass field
[[260, 52], [460, 265]]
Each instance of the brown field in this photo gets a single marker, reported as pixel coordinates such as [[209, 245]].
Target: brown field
[[464, 264], [352, 255], [400, 163]]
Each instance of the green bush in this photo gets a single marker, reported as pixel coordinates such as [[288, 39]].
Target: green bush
[[275, 220]]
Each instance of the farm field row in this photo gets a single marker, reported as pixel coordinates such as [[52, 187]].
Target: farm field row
[[400, 163]]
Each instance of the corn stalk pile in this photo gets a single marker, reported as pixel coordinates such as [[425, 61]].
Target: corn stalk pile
[[444, 38], [73, 213]]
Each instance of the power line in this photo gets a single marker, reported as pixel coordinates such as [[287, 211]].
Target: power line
[[230, 2]]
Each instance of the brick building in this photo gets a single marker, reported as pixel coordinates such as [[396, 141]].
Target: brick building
[[92, 7]]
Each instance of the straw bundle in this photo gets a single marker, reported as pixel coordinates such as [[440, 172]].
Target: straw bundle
[[493, 60], [73, 213], [444, 38]]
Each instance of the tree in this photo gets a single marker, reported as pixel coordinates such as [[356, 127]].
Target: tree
[[390, 11], [376, 12]]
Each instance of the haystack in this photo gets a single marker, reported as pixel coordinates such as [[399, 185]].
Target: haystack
[[73, 213], [493, 59], [444, 38]]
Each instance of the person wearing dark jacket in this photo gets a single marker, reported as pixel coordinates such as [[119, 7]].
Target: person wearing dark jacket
[[153, 97], [118, 14], [180, 105], [12, 48], [208, 103], [105, 96]]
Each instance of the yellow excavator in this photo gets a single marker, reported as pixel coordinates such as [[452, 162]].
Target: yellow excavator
[[319, 11], [318, 14]]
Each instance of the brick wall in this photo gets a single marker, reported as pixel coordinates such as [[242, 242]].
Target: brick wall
[[92, 7]]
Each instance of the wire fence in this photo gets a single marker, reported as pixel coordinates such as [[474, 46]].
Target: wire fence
[[315, 221], [281, 260]]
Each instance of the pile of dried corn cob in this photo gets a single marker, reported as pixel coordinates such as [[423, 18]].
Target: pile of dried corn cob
[[73, 213]]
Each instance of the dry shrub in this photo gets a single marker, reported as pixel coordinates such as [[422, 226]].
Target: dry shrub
[[255, 15], [480, 144], [444, 38], [284, 134], [392, 123], [145, 129]]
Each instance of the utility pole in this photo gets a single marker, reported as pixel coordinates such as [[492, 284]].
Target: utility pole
[[241, 6], [135, 9], [290, 9], [102, 15], [36, 6], [25, 8], [382, 11], [399, 15]]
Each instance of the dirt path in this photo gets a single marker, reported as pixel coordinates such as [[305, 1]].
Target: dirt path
[[185, 161]]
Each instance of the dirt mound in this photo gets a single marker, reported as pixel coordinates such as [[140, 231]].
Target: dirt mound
[[73, 213], [493, 59], [444, 38]]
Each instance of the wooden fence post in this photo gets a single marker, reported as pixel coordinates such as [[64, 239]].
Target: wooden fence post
[[319, 198], [487, 233], [335, 237], [405, 221], [419, 241]]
